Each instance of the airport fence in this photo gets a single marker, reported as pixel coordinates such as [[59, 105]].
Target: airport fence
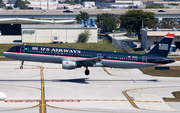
[[120, 45]]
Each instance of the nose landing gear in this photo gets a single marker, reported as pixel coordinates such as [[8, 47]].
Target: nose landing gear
[[21, 67]]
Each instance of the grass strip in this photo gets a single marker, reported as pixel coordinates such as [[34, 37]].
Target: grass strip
[[175, 58], [100, 46], [176, 99], [138, 51], [6, 59], [173, 72]]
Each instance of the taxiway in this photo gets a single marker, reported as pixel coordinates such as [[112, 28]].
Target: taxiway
[[47, 88]]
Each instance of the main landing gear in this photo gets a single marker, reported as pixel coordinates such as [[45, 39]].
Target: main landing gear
[[87, 72], [21, 67]]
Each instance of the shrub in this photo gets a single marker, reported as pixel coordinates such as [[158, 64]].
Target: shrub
[[83, 37]]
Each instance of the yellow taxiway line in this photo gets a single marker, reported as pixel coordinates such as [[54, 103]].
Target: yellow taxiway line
[[42, 104], [132, 101], [42, 101], [107, 71], [20, 108]]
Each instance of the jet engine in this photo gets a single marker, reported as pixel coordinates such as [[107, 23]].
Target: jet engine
[[68, 65]]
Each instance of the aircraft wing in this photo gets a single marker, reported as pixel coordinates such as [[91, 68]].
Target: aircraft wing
[[88, 62]]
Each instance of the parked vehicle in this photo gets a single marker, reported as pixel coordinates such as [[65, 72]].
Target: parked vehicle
[[67, 11], [161, 11], [59, 8], [44, 11]]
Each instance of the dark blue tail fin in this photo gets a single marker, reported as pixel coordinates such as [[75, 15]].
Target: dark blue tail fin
[[162, 48]]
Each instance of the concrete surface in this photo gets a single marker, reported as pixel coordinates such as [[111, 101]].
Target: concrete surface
[[177, 52], [120, 36], [174, 105], [8, 39], [52, 89]]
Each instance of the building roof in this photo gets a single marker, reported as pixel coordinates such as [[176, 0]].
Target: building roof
[[32, 21], [50, 26], [161, 32], [151, 0]]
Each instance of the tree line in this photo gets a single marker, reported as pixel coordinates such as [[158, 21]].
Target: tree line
[[18, 4], [131, 21]]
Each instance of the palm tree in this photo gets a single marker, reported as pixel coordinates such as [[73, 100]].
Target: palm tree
[[82, 16]]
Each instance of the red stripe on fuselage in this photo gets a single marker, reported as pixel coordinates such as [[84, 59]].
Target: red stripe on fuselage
[[84, 57]]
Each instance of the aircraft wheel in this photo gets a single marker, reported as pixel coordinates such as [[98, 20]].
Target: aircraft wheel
[[87, 72], [21, 67]]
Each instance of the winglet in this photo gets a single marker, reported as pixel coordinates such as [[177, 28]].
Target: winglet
[[170, 35]]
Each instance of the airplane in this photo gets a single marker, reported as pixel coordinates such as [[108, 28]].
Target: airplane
[[76, 58], [2, 96]]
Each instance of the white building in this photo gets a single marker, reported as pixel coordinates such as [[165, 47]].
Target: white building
[[135, 2], [120, 5], [52, 5], [152, 37], [60, 33], [88, 4]]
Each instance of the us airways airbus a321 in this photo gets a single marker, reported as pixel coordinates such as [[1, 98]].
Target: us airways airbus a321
[[76, 58]]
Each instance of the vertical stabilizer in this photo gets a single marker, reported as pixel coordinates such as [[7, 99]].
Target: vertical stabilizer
[[162, 48]]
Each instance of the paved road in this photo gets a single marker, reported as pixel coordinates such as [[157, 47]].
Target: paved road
[[58, 14], [87, 10], [46, 88]]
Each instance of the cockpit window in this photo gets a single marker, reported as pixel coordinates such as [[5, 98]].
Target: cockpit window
[[15, 49], [12, 49]]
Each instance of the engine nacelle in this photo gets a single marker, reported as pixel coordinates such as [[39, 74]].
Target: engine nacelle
[[68, 65]]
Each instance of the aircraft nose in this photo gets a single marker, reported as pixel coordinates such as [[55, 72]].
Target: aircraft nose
[[2, 96], [4, 53]]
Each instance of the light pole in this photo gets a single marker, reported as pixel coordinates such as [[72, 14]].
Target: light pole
[[40, 3], [47, 4], [143, 22]]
